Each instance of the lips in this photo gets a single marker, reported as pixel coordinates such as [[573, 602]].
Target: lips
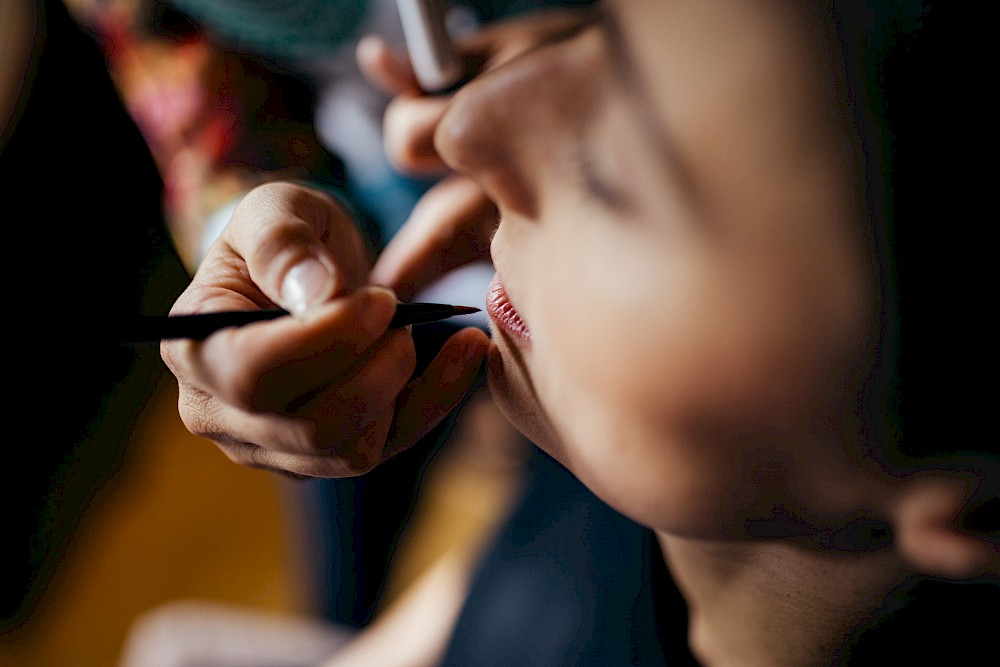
[[503, 313]]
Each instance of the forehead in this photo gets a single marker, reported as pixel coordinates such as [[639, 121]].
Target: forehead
[[714, 49], [741, 88], [717, 28]]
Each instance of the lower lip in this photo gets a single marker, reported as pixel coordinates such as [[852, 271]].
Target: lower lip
[[502, 312]]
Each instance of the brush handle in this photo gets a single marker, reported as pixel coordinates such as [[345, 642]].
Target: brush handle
[[198, 326]]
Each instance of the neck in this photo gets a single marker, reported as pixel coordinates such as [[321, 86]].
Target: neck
[[774, 603]]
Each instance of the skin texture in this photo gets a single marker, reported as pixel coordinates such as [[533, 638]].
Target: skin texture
[[355, 404], [682, 309], [686, 313], [330, 393], [689, 311]]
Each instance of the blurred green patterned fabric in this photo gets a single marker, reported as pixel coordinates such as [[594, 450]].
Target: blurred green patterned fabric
[[292, 29]]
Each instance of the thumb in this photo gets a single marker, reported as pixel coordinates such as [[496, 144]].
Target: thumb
[[300, 247]]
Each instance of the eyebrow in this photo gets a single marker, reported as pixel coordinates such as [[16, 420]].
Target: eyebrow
[[620, 57], [632, 81]]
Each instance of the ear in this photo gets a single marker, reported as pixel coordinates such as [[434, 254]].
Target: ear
[[934, 530]]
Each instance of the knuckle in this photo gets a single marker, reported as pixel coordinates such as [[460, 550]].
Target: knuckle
[[194, 411], [271, 240]]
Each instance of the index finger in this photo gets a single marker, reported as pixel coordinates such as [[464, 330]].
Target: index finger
[[270, 365], [451, 225]]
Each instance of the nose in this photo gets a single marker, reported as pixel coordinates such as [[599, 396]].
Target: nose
[[509, 127]]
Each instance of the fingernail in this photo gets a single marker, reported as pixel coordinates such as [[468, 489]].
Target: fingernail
[[306, 284], [368, 44], [377, 310]]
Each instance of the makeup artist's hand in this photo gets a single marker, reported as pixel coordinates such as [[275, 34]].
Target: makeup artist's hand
[[329, 392], [454, 221]]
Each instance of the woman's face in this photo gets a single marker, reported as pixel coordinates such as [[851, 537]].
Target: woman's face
[[684, 304]]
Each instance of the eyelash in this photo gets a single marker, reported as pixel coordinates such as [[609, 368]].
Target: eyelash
[[595, 184]]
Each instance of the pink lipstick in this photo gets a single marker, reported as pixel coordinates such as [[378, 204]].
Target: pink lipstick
[[503, 313]]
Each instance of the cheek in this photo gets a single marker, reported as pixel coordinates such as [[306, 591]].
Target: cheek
[[701, 342], [636, 453], [620, 327], [616, 364], [680, 388]]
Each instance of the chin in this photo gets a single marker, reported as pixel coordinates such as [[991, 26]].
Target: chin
[[515, 396]]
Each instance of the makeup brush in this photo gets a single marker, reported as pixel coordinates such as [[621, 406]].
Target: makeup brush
[[200, 325]]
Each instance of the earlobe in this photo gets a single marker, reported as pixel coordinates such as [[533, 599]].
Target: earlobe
[[932, 531]]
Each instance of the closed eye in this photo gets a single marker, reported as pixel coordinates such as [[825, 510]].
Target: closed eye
[[596, 184]]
